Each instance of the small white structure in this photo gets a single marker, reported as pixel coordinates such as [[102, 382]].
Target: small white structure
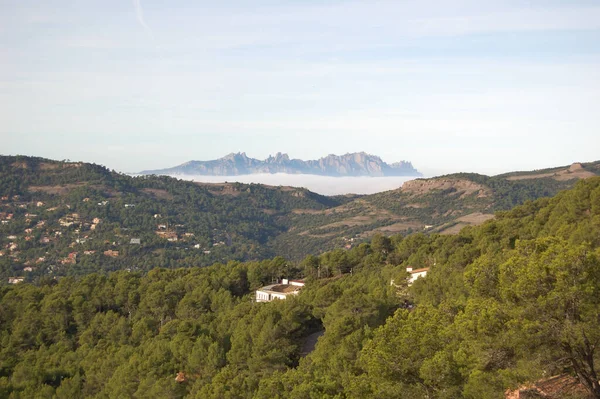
[[15, 280], [281, 290], [416, 273]]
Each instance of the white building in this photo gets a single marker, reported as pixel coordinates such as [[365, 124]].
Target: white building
[[416, 273], [279, 291]]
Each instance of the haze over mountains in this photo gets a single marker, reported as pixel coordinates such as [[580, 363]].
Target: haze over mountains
[[235, 164]]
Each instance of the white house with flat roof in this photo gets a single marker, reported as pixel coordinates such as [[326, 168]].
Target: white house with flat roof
[[280, 290], [416, 273]]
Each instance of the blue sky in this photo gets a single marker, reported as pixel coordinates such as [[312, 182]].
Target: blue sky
[[482, 86]]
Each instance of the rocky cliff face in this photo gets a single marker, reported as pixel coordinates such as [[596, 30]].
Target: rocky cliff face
[[466, 187], [356, 164]]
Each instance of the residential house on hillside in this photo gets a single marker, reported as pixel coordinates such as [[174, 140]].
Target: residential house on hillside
[[559, 386], [169, 235], [416, 273], [71, 259], [281, 290]]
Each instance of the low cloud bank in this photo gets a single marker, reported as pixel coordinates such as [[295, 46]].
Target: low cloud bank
[[319, 184]]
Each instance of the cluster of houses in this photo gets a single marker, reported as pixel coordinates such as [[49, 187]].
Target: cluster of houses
[[170, 234], [72, 224], [48, 232], [280, 290]]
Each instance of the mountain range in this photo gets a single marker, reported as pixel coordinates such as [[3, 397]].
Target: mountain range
[[234, 164]]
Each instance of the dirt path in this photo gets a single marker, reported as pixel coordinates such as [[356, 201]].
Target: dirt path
[[310, 342]]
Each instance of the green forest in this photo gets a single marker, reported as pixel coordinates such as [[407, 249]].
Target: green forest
[[61, 218], [514, 300]]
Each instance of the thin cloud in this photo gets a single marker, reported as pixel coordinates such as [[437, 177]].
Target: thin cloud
[[139, 12]]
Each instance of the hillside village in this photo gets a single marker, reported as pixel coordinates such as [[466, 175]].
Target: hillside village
[[65, 218], [47, 237]]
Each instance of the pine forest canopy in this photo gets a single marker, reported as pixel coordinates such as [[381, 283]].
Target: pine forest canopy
[[513, 300]]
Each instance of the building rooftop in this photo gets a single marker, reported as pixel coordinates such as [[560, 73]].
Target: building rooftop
[[279, 290], [424, 269], [283, 288]]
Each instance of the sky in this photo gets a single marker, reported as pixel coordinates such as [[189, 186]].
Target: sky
[[474, 86]]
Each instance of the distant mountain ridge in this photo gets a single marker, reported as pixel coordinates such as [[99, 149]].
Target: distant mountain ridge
[[234, 164]]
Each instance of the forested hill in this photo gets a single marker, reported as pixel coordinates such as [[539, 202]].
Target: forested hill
[[68, 218], [72, 218], [443, 204], [505, 305]]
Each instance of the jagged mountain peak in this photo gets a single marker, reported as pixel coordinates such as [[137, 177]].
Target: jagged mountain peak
[[349, 164]]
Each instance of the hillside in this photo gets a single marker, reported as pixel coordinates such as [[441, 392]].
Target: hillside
[[69, 218], [356, 164], [442, 204], [509, 305], [72, 218]]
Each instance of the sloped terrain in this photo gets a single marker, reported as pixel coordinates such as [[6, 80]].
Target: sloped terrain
[[442, 204], [74, 218], [62, 218], [502, 308]]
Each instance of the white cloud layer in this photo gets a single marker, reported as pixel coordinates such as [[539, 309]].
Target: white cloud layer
[[319, 184]]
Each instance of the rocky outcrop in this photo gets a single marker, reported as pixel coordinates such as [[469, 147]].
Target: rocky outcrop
[[464, 186], [356, 164], [575, 171]]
